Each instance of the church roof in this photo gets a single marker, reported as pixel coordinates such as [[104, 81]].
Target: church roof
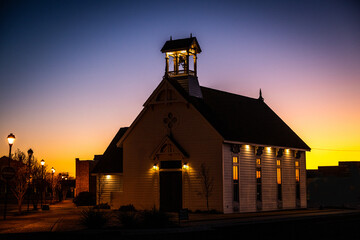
[[180, 44], [243, 119], [112, 159]]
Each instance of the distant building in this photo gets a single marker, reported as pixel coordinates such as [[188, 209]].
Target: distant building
[[334, 186], [195, 147], [84, 181]]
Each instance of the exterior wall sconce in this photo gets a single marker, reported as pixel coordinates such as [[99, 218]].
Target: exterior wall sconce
[[155, 167], [108, 176], [185, 166], [247, 147]]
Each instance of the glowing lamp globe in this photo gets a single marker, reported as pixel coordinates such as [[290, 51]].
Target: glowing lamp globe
[[11, 139]]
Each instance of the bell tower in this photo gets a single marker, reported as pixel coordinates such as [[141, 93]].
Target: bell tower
[[181, 63]]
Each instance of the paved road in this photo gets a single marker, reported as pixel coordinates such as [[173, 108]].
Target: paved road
[[62, 222], [43, 221]]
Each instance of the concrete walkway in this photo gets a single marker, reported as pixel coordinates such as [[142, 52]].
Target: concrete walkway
[[65, 217], [43, 221]]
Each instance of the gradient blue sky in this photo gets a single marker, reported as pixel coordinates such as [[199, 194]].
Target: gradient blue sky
[[73, 72]]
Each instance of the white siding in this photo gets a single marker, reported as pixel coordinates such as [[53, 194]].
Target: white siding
[[247, 179], [288, 183], [303, 198], [269, 187], [107, 186], [227, 179]]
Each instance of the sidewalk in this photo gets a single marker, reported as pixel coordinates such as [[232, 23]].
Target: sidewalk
[[65, 217], [42, 221]]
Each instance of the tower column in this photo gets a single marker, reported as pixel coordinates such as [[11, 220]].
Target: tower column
[[176, 64], [195, 65], [167, 64], [187, 63]]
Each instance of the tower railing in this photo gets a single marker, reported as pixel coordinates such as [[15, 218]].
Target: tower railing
[[181, 73]]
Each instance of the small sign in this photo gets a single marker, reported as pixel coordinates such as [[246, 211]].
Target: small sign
[[7, 173], [183, 214]]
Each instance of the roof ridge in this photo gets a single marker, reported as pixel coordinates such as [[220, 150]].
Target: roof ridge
[[225, 92]]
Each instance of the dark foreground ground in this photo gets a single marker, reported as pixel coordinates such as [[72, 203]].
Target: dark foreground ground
[[62, 223], [335, 227]]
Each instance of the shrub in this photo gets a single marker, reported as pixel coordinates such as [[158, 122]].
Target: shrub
[[85, 199], [155, 218], [127, 208], [129, 219], [93, 219]]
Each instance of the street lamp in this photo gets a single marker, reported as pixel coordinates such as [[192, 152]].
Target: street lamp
[[11, 140], [42, 162], [52, 183], [30, 153]]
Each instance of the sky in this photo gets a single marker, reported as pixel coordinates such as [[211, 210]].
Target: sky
[[73, 72]]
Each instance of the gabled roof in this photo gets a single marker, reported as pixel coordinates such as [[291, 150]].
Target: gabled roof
[[112, 159], [175, 148], [243, 119], [180, 44]]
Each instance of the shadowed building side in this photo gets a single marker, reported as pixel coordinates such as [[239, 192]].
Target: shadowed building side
[[109, 173]]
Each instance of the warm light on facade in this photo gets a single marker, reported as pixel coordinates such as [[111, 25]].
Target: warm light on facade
[[247, 147], [287, 151], [258, 174], [278, 175], [108, 176], [258, 161], [268, 149], [235, 172], [155, 167], [185, 166]]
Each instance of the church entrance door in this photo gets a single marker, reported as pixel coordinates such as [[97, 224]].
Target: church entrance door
[[170, 191]]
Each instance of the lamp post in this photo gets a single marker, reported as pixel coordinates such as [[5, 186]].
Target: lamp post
[[30, 153], [52, 184], [42, 181], [11, 139]]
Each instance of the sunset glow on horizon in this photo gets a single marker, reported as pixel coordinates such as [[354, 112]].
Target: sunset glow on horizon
[[73, 73]]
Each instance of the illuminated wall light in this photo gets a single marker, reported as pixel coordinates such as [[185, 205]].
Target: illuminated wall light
[[268, 149], [185, 166], [287, 151], [155, 167], [108, 176], [247, 147]]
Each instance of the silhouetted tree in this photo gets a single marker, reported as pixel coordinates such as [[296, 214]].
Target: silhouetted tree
[[207, 183], [100, 181], [37, 184], [19, 184]]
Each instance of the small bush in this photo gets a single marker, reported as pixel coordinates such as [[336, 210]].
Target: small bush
[[127, 208], [129, 219], [93, 219], [155, 218], [85, 199]]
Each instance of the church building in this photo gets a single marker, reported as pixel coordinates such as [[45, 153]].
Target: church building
[[202, 149]]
